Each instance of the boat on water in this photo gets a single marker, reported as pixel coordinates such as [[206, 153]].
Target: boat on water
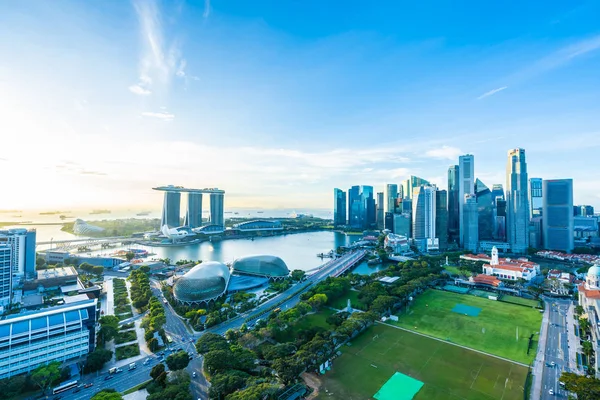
[[236, 213], [260, 212], [143, 213]]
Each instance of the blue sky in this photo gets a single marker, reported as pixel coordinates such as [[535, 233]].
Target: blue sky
[[279, 102]]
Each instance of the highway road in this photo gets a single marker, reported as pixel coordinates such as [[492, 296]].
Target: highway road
[[557, 350]]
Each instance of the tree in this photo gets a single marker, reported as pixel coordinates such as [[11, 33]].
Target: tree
[[255, 392], [130, 255], [218, 360], [227, 382], [178, 360], [152, 344], [298, 275], [579, 310], [287, 369], [96, 359], [584, 324], [586, 388], [158, 374], [210, 342], [317, 301], [588, 348], [107, 394], [383, 303], [45, 375], [98, 270], [40, 262], [109, 327], [232, 335], [280, 350]]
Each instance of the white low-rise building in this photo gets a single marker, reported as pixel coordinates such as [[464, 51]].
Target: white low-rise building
[[398, 243], [589, 299], [506, 268]]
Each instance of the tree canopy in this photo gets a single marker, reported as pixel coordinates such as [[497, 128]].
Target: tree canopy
[[178, 360], [586, 388], [107, 394]]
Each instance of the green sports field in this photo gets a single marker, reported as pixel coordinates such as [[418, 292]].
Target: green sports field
[[448, 372], [494, 330]]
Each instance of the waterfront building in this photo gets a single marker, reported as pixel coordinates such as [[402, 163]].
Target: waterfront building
[[423, 218], [391, 194], [354, 207], [398, 243], [441, 218], [589, 299], [80, 227], [203, 283], [339, 207], [453, 203], [379, 210], [557, 215], [402, 224], [266, 266], [466, 186], [485, 211], [61, 333], [5, 275], [535, 197], [412, 183], [217, 209], [193, 214], [517, 201], [171, 210], [22, 244], [470, 223]]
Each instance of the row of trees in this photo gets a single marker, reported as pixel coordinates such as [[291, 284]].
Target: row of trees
[[154, 322], [140, 292], [42, 378]]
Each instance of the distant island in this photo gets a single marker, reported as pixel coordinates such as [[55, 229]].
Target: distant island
[[10, 211], [54, 212], [95, 212]]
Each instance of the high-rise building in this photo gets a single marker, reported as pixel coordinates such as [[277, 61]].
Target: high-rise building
[[5, 275], [517, 201], [391, 194], [193, 214], [379, 210], [402, 224], [61, 333], [453, 204], [584, 211], [354, 207], [466, 185], [388, 222], [441, 218], [557, 215], [535, 197], [499, 205], [485, 211], [339, 207], [423, 218], [536, 236], [470, 223], [217, 209], [22, 243], [369, 215], [411, 183], [171, 210]]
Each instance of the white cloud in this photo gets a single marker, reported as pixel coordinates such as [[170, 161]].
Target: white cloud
[[165, 116], [444, 152], [492, 92], [138, 89], [206, 12], [181, 69]]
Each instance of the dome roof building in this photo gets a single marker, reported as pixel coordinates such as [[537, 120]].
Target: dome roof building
[[261, 265], [204, 282]]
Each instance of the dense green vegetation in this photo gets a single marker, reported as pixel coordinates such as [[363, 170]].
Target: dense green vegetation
[[127, 351], [176, 387], [107, 394], [178, 360], [153, 322], [586, 387], [140, 289], [96, 359], [125, 337]]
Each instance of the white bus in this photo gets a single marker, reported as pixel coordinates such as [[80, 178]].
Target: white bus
[[64, 387]]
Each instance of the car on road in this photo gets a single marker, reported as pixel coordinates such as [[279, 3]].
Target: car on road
[[194, 374], [77, 390], [551, 392], [88, 385], [107, 377]]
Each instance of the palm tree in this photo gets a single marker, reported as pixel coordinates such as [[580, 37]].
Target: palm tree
[[587, 348], [584, 324]]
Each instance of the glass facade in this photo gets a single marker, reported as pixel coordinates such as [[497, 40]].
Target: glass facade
[[217, 212], [441, 218], [204, 282], [535, 197], [453, 203], [171, 210], [193, 215], [466, 186], [557, 215], [261, 265], [339, 207], [517, 201], [57, 334], [5, 275], [485, 211]]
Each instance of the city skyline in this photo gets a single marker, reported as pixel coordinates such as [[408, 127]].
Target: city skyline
[[278, 104]]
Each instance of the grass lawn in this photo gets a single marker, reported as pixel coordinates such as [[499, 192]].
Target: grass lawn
[[317, 319], [494, 330], [124, 316], [123, 352], [342, 301], [123, 308], [519, 300], [448, 372], [124, 337], [452, 269]]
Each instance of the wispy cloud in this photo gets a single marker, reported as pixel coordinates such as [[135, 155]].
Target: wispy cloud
[[165, 116], [137, 89], [71, 167], [161, 58], [206, 12], [444, 152], [492, 92]]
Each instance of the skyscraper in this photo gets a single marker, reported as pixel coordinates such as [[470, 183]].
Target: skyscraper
[[441, 218], [423, 218], [557, 215], [517, 201], [470, 223], [535, 197], [391, 194], [171, 210], [499, 213], [379, 210], [402, 224], [5, 275], [354, 207], [339, 207], [466, 185], [369, 212], [411, 183], [388, 222], [453, 204], [193, 214], [22, 244], [485, 211], [217, 216]]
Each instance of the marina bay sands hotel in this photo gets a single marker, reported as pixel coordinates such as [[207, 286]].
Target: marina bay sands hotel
[[193, 215]]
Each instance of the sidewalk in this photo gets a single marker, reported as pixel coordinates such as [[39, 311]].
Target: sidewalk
[[573, 340], [538, 364]]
